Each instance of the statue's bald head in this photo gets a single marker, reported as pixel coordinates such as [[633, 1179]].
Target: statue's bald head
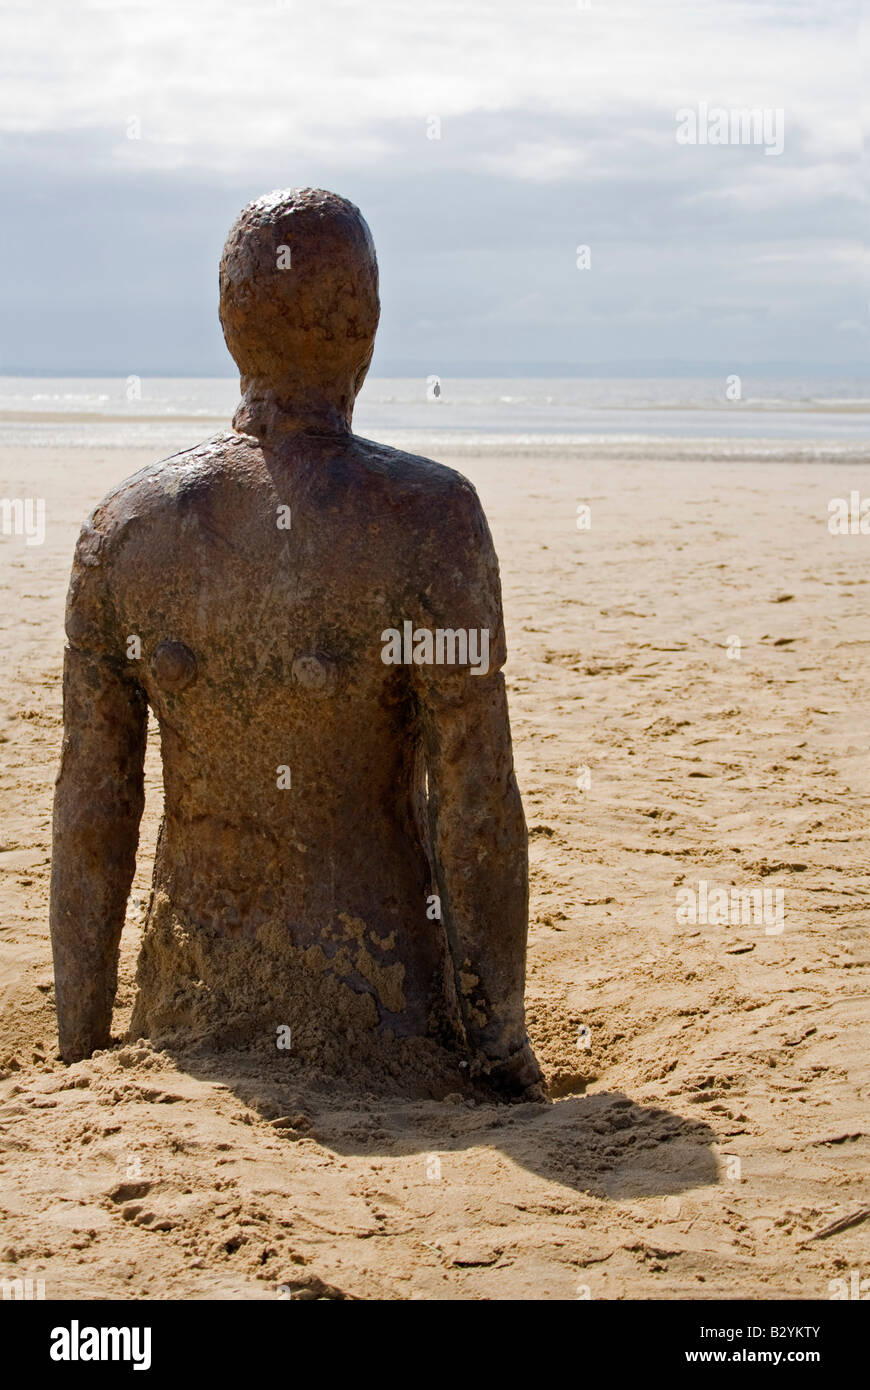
[[299, 303]]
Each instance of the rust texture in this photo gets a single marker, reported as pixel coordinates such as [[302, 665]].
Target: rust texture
[[321, 807]]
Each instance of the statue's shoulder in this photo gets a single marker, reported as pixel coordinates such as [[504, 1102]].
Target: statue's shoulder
[[414, 482], [141, 516], [164, 487]]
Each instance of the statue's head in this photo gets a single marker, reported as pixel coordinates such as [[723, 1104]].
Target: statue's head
[[299, 307]]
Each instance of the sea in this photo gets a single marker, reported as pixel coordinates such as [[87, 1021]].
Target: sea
[[443, 414]]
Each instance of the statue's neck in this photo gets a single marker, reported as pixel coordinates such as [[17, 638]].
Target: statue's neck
[[267, 414]]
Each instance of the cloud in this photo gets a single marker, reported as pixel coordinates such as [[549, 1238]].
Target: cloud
[[557, 127]]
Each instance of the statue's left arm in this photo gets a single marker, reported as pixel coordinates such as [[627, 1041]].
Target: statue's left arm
[[477, 827]]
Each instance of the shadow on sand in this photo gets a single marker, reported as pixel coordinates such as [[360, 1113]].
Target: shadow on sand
[[602, 1143]]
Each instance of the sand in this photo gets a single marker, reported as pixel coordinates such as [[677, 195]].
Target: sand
[[710, 1082]]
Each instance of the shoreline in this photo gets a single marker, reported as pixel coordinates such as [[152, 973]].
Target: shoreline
[[469, 444]]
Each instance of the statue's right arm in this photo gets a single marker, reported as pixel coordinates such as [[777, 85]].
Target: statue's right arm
[[98, 804]]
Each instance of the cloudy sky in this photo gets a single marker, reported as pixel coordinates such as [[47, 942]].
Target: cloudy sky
[[557, 130]]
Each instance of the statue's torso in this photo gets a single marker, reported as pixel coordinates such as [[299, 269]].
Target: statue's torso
[[291, 758]]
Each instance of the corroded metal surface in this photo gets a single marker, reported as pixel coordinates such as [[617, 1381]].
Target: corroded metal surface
[[343, 850]]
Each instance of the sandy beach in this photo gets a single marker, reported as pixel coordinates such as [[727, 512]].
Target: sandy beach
[[689, 691]]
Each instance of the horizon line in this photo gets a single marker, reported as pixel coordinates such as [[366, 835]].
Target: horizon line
[[484, 370]]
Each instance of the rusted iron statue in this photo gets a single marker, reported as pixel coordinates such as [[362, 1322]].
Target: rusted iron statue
[[315, 621]]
